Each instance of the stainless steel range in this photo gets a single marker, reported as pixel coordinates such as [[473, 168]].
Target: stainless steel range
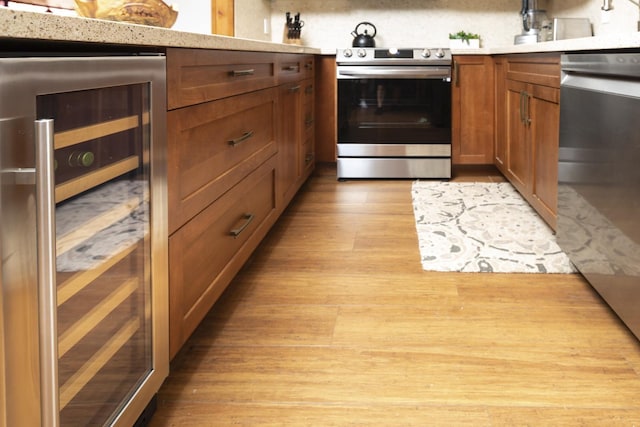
[[394, 113]]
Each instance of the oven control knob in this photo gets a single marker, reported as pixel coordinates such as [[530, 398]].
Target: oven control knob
[[362, 53], [440, 53], [348, 53], [425, 53]]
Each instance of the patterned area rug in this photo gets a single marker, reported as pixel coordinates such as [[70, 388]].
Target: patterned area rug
[[482, 227]]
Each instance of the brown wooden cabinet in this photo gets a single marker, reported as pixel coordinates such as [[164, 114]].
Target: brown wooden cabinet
[[295, 129], [200, 75], [527, 139], [289, 134], [214, 145], [472, 119], [240, 144], [500, 112], [326, 109], [208, 251]]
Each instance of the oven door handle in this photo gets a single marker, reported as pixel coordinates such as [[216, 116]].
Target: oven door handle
[[373, 72]]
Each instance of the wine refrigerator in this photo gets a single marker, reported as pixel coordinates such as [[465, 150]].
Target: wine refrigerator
[[83, 301]]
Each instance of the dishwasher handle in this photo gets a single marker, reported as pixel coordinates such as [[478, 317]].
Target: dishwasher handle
[[610, 64]]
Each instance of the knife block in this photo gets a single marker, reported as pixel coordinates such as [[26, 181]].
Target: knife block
[[288, 40]]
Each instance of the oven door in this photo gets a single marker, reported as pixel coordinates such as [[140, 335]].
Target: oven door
[[394, 122]]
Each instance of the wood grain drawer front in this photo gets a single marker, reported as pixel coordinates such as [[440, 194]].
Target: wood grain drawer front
[[309, 66], [198, 75], [542, 69], [309, 156], [308, 91], [308, 117], [294, 67], [204, 252], [213, 146], [308, 121]]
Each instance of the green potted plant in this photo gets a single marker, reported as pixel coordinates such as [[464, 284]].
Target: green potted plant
[[464, 40]]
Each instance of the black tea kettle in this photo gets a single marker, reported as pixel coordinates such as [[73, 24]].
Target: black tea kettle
[[362, 38]]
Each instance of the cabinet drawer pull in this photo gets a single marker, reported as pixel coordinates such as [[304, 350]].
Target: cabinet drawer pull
[[308, 158], [291, 68], [240, 73], [294, 88], [527, 115], [308, 122], [244, 137], [308, 90], [247, 220]]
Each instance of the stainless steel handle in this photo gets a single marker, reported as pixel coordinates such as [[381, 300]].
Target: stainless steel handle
[[522, 106], [45, 224], [399, 72], [294, 88], [244, 137], [527, 119], [240, 73], [236, 231], [291, 68]]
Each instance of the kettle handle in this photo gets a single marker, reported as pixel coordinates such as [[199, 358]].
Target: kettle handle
[[375, 31]]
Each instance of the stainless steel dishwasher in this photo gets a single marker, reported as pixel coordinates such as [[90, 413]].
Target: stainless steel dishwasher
[[599, 175]]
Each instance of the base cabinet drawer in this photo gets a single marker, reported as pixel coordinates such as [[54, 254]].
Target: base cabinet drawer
[[207, 252], [200, 75], [214, 145], [294, 67]]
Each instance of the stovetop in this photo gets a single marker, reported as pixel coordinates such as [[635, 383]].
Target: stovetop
[[382, 56]]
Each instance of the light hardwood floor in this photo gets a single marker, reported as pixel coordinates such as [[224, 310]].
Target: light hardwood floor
[[333, 323]]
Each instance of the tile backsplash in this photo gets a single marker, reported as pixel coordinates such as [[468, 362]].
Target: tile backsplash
[[329, 23]]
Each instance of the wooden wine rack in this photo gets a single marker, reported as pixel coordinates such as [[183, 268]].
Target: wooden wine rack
[[109, 300], [122, 290], [100, 176], [97, 130]]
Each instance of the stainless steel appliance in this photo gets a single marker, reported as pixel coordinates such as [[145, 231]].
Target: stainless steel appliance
[[571, 28], [536, 27], [83, 301], [599, 175], [394, 113]]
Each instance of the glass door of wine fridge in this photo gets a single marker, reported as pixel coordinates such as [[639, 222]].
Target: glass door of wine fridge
[[82, 155]]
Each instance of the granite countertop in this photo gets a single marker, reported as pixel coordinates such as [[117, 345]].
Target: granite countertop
[[20, 25]]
